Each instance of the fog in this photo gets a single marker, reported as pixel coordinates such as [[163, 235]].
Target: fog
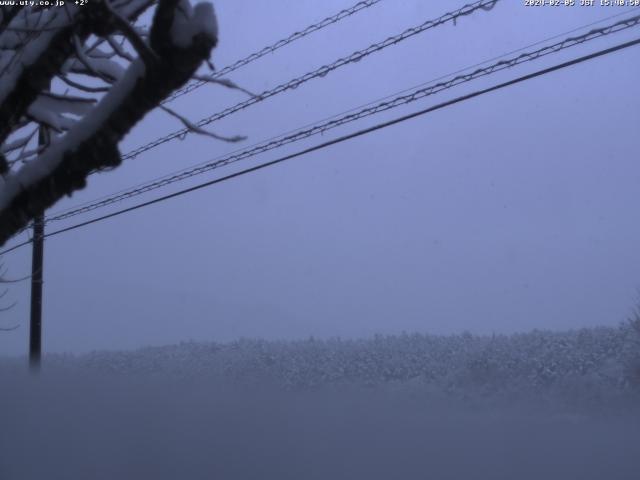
[[509, 212], [540, 405], [64, 427]]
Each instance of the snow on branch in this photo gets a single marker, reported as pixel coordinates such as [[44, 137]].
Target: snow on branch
[[51, 110], [117, 73], [43, 39], [189, 22]]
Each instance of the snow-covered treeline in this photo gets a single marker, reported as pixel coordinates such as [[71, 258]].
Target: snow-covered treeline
[[588, 364]]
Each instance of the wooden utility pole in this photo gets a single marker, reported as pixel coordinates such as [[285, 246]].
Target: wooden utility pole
[[35, 326], [35, 332]]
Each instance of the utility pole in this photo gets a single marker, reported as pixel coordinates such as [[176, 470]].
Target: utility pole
[[35, 326], [35, 332]]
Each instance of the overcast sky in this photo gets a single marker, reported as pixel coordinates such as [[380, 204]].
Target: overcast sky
[[512, 211]]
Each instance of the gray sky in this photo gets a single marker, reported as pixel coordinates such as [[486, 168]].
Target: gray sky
[[505, 213]]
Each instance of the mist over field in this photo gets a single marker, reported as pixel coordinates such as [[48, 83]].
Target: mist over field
[[553, 405]]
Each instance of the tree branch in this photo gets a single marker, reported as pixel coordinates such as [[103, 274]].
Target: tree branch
[[65, 165], [146, 53]]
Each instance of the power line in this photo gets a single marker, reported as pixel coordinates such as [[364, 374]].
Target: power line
[[465, 10], [350, 136], [275, 46], [113, 195], [342, 14], [351, 117], [319, 72], [322, 71]]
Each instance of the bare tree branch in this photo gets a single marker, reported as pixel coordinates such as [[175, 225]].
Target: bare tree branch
[[146, 53], [117, 48], [201, 131], [80, 86], [4, 309], [225, 83]]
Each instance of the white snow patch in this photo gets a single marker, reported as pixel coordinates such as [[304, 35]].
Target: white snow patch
[[92, 122], [189, 22], [103, 66], [61, 104]]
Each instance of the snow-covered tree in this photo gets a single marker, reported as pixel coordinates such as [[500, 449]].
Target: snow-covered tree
[[88, 72]]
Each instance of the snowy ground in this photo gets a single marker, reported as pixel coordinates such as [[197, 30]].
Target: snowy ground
[[383, 408]]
